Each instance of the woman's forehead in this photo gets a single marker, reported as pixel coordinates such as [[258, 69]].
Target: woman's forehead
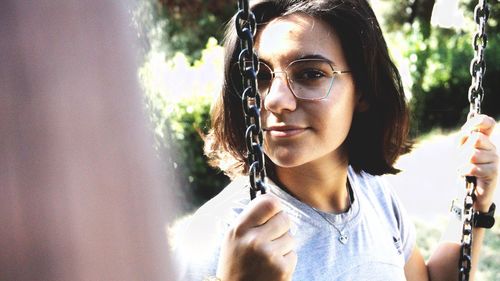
[[288, 38]]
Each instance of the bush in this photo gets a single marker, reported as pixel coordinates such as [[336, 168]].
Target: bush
[[440, 79], [187, 25], [178, 98], [428, 237]]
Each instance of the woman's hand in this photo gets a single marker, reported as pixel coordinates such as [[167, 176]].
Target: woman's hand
[[258, 246], [480, 158]]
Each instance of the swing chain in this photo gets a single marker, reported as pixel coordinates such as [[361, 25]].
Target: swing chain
[[248, 64], [466, 247], [478, 64], [476, 94]]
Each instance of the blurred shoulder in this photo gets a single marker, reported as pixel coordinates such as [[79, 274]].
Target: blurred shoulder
[[195, 239], [218, 213], [375, 185], [232, 198]]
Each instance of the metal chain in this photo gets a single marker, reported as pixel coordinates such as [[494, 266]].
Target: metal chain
[[248, 63], [476, 94]]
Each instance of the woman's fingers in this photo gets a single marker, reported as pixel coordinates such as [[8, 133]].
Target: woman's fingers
[[480, 158], [283, 249], [258, 212], [478, 140], [283, 244], [275, 227], [291, 259], [289, 264], [480, 123], [258, 246], [273, 251], [483, 171]]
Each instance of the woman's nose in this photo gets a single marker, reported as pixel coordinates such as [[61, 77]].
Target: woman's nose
[[279, 97]]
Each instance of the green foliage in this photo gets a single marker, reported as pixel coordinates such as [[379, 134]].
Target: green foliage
[[493, 20], [438, 60], [149, 25], [403, 12], [488, 267], [189, 24], [442, 81], [180, 26], [428, 237], [178, 98]]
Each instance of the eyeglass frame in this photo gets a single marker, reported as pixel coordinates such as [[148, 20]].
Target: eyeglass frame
[[288, 80]]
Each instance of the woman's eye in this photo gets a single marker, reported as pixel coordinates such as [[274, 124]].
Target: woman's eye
[[264, 76], [309, 74]]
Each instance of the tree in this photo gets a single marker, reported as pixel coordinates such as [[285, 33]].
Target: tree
[[439, 61], [189, 24]]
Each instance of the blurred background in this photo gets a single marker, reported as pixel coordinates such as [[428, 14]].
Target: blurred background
[[83, 195], [429, 40]]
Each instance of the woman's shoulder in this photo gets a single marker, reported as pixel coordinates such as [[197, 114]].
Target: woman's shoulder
[[195, 238], [218, 213], [221, 209], [376, 188], [231, 200], [381, 198], [375, 184]]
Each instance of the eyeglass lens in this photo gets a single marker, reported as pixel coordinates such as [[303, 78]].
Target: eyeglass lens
[[307, 79]]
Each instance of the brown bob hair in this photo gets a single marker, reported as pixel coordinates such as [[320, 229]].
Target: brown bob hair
[[378, 136]]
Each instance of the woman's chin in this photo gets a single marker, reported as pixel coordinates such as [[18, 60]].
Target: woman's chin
[[286, 161]]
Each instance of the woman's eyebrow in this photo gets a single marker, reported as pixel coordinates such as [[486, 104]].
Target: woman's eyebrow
[[301, 57], [263, 60], [315, 56]]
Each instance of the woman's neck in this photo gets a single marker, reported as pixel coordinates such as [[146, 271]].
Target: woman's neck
[[321, 186]]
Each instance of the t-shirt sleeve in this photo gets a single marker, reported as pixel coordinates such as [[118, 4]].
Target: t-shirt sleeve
[[403, 224], [196, 241], [195, 248]]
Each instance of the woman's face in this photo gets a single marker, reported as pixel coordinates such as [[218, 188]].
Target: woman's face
[[298, 132]]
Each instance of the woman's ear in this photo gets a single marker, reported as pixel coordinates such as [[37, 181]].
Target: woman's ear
[[362, 104]]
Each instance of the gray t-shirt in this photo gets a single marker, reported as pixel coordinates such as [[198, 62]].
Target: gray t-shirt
[[380, 236]]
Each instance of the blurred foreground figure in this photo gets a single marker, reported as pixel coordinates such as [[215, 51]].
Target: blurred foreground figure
[[81, 192]]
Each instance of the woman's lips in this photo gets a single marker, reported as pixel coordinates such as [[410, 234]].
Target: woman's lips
[[284, 131]]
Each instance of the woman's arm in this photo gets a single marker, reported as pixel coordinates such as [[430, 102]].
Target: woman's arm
[[415, 269], [443, 264], [481, 161]]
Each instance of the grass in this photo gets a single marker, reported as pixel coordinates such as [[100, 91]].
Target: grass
[[428, 237]]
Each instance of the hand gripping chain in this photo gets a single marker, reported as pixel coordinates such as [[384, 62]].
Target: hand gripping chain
[[476, 93], [248, 64]]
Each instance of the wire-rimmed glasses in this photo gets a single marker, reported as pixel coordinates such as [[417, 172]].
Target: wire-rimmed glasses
[[307, 79]]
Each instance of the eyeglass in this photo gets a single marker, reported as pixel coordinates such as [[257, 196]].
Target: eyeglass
[[307, 79]]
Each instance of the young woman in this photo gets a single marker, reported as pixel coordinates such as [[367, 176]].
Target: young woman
[[335, 120]]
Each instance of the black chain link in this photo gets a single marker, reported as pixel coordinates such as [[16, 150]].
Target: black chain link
[[476, 94], [248, 63]]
